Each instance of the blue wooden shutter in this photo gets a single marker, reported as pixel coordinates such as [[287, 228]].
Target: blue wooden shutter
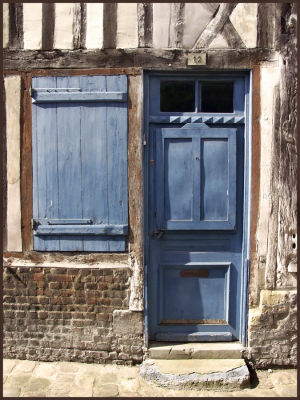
[[196, 177], [80, 191]]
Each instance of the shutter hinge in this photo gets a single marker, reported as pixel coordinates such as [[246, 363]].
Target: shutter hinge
[[145, 141], [34, 223]]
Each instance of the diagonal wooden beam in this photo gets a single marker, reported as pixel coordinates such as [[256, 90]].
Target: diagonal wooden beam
[[232, 37], [215, 25]]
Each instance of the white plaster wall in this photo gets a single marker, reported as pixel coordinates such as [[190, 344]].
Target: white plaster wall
[[63, 33], [127, 25], [161, 22], [94, 25], [196, 17], [219, 42], [32, 20], [269, 78], [13, 217], [5, 24], [244, 19]]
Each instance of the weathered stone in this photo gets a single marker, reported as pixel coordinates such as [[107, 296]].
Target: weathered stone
[[27, 366], [38, 384], [18, 380], [106, 391], [11, 392], [8, 365], [287, 377], [233, 377], [286, 390], [195, 350], [206, 366], [274, 297], [127, 322], [106, 377], [45, 369]]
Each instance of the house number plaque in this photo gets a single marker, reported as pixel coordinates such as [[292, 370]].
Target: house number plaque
[[197, 58]]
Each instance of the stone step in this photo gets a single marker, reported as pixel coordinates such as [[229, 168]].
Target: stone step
[[208, 350], [208, 374]]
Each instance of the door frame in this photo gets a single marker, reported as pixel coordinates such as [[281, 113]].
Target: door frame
[[248, 74]]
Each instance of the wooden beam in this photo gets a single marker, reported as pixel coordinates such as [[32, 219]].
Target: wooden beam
[[271, 258], [265, 25], [26, 162], [16, 36], [145, 24], [109, 25], [232, 37], [48, 25], [215, 25], [29, 60], [79, 26], [255, 186], [68, 72], [4, 166], [176, 25]]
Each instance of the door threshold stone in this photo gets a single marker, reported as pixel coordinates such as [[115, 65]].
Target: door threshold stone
[[204, 350]]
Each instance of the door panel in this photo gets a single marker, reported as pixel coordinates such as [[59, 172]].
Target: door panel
[[214, 180], [182, 287], [178, 179], [196, 178]]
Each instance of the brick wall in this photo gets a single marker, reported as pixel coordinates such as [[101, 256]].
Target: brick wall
[[76, 314]]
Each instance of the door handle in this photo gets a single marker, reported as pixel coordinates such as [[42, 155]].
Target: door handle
[[159, 233]]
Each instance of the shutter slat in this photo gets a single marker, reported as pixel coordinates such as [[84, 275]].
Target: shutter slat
[[117, 157], [94, 161], [69, 162], [46, 152]]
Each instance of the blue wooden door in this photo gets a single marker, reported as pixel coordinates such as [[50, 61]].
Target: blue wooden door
[[195, 220]]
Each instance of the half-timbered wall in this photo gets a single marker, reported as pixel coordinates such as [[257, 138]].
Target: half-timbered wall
[[129, 25], [62, 39]]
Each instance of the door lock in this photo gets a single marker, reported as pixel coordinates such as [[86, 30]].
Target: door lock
[[159, 233]]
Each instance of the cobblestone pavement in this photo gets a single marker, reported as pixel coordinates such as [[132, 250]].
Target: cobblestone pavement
[[23, 378]]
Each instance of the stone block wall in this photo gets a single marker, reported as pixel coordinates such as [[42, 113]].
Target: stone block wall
[[70, 314], [272, 333]]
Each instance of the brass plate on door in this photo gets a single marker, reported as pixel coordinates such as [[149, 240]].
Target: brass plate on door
[[194, 273]]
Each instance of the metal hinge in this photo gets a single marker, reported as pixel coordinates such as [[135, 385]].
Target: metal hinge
[[34, 223], [144, 141]]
